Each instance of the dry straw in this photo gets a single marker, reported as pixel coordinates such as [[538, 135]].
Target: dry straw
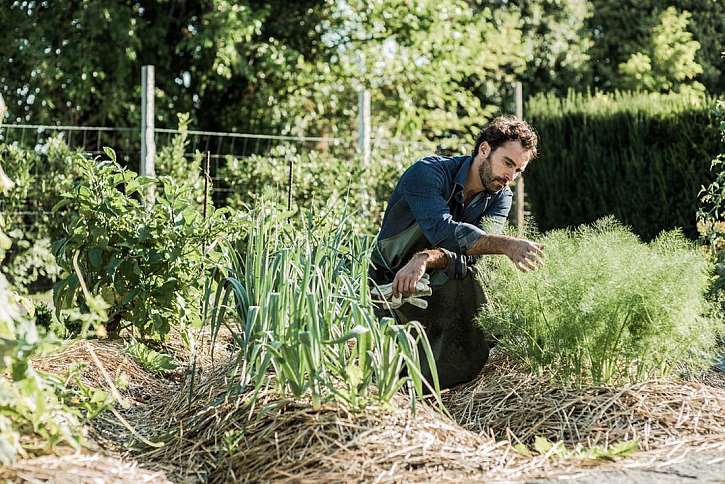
[[512, 403], [213, 435], [80, 469]]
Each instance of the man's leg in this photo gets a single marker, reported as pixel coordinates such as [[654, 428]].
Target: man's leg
[[459, 347]]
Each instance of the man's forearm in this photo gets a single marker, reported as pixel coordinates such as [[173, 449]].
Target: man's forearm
[[491, 244], [433, 258], [486, 244]]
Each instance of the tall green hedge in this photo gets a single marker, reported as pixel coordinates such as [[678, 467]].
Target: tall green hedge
[[642, 157]]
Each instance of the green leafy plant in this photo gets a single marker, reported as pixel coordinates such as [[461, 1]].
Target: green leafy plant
[[669, 60], [149, 359], [145, 261], [545, 447], [40, 176], [605, 308], [32, 417], [711, 214], [319, 178]]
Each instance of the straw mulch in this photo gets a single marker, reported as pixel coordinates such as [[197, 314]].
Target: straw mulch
[[202, 432], [103, 361], [78, 468], [218, 438], [511, 403]]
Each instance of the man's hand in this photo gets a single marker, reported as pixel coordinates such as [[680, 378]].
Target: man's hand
[[406, 278], [525, 254]]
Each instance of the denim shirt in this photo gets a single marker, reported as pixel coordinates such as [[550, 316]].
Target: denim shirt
[[430, 193]]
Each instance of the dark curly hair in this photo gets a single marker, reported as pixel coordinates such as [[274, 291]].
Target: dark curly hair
[[508, 128]]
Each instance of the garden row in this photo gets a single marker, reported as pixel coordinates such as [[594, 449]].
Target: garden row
[[290, 288]]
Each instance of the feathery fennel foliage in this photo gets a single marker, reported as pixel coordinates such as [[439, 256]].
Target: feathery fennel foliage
[[606, 307]]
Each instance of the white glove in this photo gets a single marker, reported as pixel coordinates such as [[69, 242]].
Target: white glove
[[422, 288]]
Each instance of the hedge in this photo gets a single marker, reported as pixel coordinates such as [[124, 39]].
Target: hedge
[[641, 157]]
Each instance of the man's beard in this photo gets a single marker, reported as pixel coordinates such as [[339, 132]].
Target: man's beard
[[487, 179]]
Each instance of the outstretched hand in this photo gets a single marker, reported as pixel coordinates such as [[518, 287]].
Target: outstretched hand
[[526, 255]]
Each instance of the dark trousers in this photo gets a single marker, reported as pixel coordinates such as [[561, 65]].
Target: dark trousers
[[459, 346]]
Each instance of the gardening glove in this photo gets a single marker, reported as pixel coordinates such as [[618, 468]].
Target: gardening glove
[[422, 288]]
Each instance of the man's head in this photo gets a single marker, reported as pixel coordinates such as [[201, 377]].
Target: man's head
[[503, 149]]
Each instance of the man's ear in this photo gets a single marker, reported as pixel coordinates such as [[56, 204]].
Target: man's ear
[[484, 149]]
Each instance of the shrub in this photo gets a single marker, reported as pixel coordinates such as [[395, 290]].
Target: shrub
[[711, 214], [147, 262], [40, 176], [334, 175], [639, 157], [605, 307]]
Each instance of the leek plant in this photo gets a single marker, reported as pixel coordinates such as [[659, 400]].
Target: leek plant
[[301, 312], [606, 307]]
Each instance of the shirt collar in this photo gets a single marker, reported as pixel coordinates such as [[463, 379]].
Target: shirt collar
[[460, 181], [462, 174]]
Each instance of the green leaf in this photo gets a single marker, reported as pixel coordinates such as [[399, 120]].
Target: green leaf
[[624, 448], [110, 153], [542, 445], [523, 450], [95, 256]]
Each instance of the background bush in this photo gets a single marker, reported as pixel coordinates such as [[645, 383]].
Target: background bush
[[334, 175], [40, 176], [605, 307], [640, 157]]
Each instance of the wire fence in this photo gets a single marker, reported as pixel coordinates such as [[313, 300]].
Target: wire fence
[[219, 147]]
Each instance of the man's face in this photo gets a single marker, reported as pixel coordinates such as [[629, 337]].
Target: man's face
[[502, 166]]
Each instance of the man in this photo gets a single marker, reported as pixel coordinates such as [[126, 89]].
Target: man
[[444, 213]]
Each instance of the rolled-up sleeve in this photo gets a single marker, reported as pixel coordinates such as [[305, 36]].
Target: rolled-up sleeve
[[423, 188]]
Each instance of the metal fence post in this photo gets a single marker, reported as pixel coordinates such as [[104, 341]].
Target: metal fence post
[[519, 101], [148, 144]]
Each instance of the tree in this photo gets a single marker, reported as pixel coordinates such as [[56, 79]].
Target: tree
[[668, 61], [556, 41], [259, 66], [621, 28], [221, 60]]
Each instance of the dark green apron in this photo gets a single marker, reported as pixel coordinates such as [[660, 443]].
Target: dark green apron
[[459, 347]]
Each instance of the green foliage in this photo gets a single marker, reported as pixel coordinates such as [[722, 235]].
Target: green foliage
[[711, 213], [640, 157], [303, 313], [334, 175], [149, 359], [543, 446], [622, 28], [32, 418], [668, 62], [605, 308], [555, 39], [145, 262], [171, 161], [85, 70], [293, 67], [39, 178]]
